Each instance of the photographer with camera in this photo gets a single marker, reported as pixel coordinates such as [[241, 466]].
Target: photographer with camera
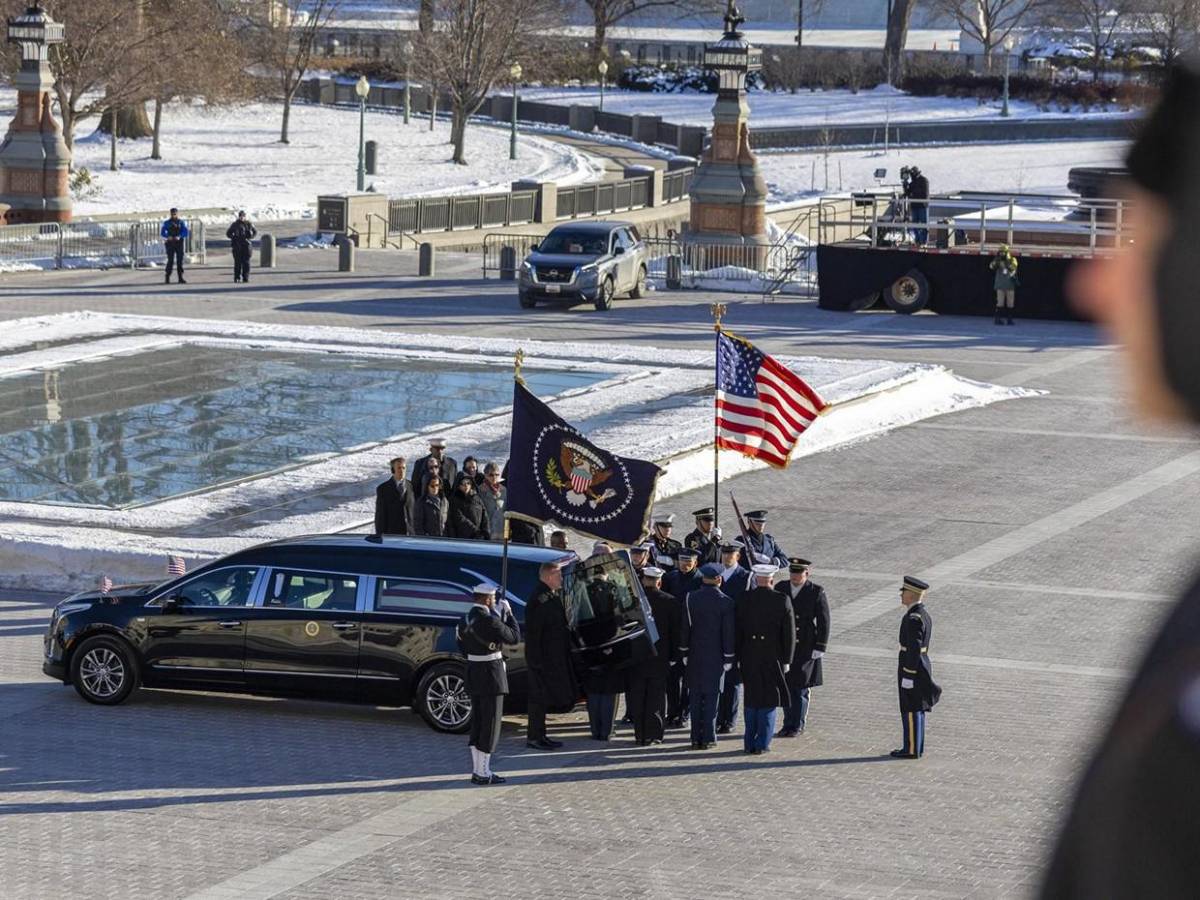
[[916, 192]]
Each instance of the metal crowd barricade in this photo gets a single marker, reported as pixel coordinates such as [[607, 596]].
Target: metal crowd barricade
[[763, 269], [146, 244], [35, 246], [494, 243]]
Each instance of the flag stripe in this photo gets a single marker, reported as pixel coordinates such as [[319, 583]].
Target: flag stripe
[[743, 431], [783, 437], [794, 381], [752, 451]]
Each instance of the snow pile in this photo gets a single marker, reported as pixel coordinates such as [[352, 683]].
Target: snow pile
[[322, 241], [58, 547]]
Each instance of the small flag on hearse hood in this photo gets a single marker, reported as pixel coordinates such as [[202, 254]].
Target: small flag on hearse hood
[[555, 474], [175, 566]]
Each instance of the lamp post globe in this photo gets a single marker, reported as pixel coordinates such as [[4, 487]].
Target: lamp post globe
[[1008, 49], [408, 49], [362, 88], [602, 68], [515, 71]]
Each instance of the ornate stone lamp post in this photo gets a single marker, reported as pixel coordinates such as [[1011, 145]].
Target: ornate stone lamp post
[[34, 159], [728, 194]]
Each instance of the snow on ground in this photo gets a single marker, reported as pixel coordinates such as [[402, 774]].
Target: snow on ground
[[230, 157], [776, 109], [1033, 168], [64, 547]]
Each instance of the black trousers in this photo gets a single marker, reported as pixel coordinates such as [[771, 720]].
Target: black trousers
[[175, 257], [241, 264], [678, 701], [727, 706], [647, 698], [487, 711]]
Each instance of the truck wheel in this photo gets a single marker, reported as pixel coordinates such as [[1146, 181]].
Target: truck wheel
[[442, 698], [908, 294], [864, 302]]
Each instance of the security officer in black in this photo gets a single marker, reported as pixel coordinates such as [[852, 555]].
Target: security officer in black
[[485, 628], [919, 693], [706, 538], [664, 548]]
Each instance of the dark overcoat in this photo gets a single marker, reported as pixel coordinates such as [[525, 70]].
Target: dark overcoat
[[810, 609], [916, 629], [706, 637], [766, 640], [393, 508], [548, 651]]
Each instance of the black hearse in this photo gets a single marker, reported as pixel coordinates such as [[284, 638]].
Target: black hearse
[[345, 616]]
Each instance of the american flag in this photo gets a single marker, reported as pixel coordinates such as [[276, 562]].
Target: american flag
[[175, 566], [762, 407], [105, 584]]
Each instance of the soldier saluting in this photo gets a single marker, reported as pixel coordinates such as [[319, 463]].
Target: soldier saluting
[[918, 691], [706, 538], [485, 628]]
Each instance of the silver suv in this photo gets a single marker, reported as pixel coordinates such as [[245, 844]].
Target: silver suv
[[591, 261]]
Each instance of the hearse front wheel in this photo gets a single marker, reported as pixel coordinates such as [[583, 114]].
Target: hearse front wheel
[[442, 698]]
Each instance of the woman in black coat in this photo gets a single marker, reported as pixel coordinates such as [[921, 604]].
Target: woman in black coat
[[429, 515], [468, 517]]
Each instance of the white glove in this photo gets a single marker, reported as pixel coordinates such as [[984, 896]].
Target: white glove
[[728, 666], [787, 667], [717, 531], [503, 608], [817, 654], [763, 558], [906, 683], [685, 660]]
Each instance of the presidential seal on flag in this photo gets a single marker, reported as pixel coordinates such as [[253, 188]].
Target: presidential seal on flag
[[586, 471]]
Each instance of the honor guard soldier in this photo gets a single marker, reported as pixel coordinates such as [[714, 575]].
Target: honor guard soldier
[[679, 583], [810, 607], [685, 576], [485, 628], [647, 694], [664, 547], [735, 580], [763, 548], [706, 538], [766, 641], [919, 693], [706, 646], [735, 589], [639, 556]]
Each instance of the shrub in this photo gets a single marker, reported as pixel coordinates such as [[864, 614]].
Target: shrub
[[82, 185]]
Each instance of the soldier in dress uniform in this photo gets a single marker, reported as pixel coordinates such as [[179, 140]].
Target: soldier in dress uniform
[[647, 693], [810, 608], [485, 628], [766, 640], [706, 646], [665, 548], [763, 548], [918, 691], [639, 556], [735, 580], [706, 538], [679, 583], [685, 576]]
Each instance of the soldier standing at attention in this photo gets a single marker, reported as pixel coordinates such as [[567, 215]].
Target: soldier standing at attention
[[763, 548], [647, 693], [485, 628], [766, 640], [918, 691], [665, 548], [706, 646], [811, 610], [706, 538]]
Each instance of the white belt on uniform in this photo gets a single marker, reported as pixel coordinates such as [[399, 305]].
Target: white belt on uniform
[[475, 657]]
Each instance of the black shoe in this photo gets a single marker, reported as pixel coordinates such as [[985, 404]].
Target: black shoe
[[696, 745], [181, 281], [236, 279], [496, 779], [479, 779], [544, 744], [786, 733], [707, 746], [903, 754], [724, 729]]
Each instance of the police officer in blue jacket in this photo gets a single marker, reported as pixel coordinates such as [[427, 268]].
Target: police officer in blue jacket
[[707, 647], [174, 232]]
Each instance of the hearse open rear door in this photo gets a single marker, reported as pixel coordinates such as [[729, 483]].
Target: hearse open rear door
[[607, 612]]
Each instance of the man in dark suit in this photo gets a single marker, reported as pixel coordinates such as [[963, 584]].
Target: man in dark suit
[[485, 628], [552, 684], [394, 502], [810, 608], [647, 695], [919, 693]]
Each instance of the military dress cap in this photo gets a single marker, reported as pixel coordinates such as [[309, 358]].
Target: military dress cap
[[639, 548], [437, 442], [756, 515], [796, 564], [762, 570], [731, 548], [483, 589], [652, 572], [687, 554], [706, 513], [664, 560], [710, 570], [665, 519], [915, 584]]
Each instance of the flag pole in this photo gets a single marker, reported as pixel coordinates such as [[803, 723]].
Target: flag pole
[[717, 310], [518, 360]]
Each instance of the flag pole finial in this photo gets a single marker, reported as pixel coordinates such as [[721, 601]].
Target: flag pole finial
[[518, 361], [718, 310]]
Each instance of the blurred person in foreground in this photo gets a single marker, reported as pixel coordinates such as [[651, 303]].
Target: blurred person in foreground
[[1133, 829]]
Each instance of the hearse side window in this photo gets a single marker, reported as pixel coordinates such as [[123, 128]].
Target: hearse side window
[[311, 591], [223, 587], [412, 595]]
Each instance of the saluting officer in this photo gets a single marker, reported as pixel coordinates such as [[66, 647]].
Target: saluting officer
[[706, 646], [766, 640], [486, 627], [647, 694], [706, 538], [763, 548], [664, 547], [919, 693], [810, 607]]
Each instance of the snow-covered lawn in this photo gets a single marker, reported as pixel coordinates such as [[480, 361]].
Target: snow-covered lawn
[[1033, 168], [775, 109], [230, 157]]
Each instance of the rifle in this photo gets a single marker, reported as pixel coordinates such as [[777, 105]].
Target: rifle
[[750, 558]]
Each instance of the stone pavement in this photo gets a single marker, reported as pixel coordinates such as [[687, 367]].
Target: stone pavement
[[1050, 528]]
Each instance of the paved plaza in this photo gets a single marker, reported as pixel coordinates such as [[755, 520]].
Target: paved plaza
[[1052, 529]]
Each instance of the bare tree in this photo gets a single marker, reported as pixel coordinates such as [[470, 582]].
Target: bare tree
[[1100, 20], [607, 13], [899, 16], [471, 47], [284, 36], [1172, 26], [991, 21]]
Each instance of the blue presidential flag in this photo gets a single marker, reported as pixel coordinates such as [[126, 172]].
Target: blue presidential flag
[[555, 474]]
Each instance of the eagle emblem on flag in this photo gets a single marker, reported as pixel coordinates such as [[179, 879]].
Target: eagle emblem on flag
[[586, 472]]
